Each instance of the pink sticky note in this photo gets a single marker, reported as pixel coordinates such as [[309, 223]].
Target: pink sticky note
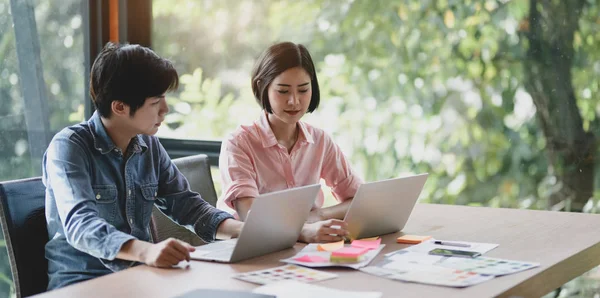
[[311, 259], [374, 244]]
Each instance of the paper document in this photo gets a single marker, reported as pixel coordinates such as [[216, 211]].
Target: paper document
[[414, 264], [433, 275], [415, 258], [491, 266], [428, 245]]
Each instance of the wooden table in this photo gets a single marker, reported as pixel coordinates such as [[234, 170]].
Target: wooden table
[[566, 244]]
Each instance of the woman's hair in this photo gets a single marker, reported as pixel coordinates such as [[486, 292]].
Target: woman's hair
[[130, 74], [277, 59]]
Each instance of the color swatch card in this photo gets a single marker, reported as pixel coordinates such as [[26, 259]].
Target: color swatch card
[[483, 265], [287, 272], [311, 256]]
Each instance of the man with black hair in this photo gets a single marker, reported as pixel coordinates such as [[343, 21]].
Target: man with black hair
[[104, 175]]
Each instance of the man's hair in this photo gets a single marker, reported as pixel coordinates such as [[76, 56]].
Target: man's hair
[[277, 59], [130, 74]]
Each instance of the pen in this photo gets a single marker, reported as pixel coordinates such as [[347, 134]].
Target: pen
[[451, 243]]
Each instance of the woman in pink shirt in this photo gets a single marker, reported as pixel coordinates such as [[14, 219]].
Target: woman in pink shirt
[[278, 151]]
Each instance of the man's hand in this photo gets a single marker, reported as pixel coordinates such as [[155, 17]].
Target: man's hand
[[166, 253], [324, 231], [229, 228]]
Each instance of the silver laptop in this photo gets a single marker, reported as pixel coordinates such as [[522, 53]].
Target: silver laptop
[[383, 207], [273, 224]]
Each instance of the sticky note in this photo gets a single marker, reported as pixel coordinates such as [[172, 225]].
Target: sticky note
[[334, 259], [348, 255], [311, 259], [370, 239], [373, 244], [350, 252], [412, 239], [330, 246]]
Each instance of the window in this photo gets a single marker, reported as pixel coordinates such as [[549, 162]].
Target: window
[[42, 86], [465, 91]]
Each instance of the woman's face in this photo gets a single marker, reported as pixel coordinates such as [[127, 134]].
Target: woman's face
[[290, 94]]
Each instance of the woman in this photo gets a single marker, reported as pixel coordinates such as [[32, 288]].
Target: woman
[[278, 151]]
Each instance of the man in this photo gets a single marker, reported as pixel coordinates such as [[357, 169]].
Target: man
[[103, 176]]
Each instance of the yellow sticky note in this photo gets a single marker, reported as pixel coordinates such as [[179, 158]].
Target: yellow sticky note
[[370, 239], [330, 246]]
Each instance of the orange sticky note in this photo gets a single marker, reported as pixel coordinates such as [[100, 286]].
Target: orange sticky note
[[370, 239], [412, 239], [330, 246], [366, 244]]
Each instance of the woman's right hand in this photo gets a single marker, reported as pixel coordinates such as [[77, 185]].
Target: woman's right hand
[[324, 231]]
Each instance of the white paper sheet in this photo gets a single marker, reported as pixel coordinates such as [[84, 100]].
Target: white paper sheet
[[294, 289], [429, 245], [415, 257]]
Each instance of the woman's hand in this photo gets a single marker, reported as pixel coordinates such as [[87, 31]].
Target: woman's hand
[[324, 231], [315, 215]]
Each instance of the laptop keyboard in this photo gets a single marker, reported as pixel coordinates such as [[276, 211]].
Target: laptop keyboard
[[219, 245], [220, 254], [218, 250]]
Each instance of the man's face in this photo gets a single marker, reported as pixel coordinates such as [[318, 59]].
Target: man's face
[[149, 117]]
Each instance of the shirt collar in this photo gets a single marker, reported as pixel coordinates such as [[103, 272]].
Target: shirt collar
[[268, 137], [104, 144]]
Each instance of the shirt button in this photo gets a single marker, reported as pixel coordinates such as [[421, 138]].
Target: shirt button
[[98, 196], [129, 192], [131, 220], [155, 194]]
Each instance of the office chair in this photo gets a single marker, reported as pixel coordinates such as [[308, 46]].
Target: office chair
[[22, 208], [197, 171]]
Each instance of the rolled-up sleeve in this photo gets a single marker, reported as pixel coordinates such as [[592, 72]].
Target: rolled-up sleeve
[[67, 171], [237, 172], [185, 206], [337, 172]]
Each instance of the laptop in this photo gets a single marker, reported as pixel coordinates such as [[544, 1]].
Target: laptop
[[273, 224], [383, 207]]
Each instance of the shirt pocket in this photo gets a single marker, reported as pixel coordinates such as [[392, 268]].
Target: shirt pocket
[[149, 193], [106, 201]]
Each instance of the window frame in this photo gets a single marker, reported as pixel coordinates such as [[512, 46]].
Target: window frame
[[134, 23]]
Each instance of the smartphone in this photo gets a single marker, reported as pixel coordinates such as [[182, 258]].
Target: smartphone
[[454, 253]]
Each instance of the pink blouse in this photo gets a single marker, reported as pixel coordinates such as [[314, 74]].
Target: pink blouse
[[253, 163]]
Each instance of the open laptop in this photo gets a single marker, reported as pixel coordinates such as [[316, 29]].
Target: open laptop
[[383, 207], [273, 224]]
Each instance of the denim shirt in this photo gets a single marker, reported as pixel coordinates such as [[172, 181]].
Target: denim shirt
[[97, 199]]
